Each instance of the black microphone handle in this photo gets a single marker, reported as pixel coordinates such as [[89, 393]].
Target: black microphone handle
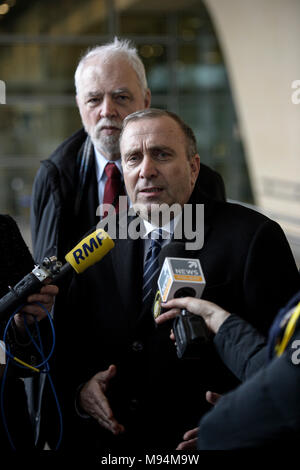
[[64, 270], [17, 295], [30, 284]]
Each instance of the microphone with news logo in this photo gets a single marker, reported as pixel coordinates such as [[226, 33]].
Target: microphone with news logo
[[86, 253], [182, 277]]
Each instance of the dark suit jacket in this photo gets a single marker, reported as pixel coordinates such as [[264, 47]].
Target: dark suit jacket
[[156, 396]]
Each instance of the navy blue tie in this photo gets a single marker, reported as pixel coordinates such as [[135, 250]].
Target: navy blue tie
[[151, 266]]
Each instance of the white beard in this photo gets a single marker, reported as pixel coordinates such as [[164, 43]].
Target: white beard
[[108, 145]]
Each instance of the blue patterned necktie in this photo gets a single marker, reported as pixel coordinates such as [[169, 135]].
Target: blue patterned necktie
[[151, 266]]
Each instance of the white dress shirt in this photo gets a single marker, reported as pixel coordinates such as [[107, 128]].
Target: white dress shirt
[[167, 232]]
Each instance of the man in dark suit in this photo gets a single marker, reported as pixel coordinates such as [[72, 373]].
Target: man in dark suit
[[131, 390]]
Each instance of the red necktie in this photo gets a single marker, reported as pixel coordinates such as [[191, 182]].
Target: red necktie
[[114, 186]]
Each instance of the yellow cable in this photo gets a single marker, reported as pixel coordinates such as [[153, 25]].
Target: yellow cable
[[26, 365], [289, 331]]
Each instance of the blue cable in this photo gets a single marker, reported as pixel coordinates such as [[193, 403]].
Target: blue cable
[[42, 364], [45, 361], [40, 348], [7, 351], [2, 406]]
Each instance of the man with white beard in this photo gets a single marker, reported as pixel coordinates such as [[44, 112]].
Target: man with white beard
[[85, 170]]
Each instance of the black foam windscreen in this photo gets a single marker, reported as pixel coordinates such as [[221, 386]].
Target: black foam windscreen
[[15, 258]]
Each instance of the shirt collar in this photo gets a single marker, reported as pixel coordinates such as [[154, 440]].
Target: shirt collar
[[101, 162]]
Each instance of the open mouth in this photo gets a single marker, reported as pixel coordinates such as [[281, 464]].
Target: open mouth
[[151, 190]]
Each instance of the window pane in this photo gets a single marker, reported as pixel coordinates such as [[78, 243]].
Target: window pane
[[29, 134], [41, 42], [33, 69], [54, 18]]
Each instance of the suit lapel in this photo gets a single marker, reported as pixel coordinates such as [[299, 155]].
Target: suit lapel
[[190, 223], [191, 217], [127, 259]]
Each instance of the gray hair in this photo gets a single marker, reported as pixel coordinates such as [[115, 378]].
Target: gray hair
[[119, 48], [151, 113]]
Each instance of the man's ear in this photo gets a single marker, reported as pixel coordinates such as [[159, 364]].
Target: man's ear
[[147, 98], [195, 167], [79, 104]]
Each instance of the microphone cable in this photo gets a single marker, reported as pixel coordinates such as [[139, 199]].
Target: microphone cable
[[43, 367]]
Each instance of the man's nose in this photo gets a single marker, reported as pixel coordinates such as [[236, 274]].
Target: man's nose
[[108, 108], [148, 168]]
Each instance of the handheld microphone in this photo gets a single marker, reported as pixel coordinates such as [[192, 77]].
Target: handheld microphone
[[182, 277], [86, 253]]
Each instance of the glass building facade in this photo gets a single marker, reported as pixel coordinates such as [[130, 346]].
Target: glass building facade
[[40, 44]]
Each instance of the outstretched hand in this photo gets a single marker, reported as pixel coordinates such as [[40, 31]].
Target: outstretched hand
[[95, 403]]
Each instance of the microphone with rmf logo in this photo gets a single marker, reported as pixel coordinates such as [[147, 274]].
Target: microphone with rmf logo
[[182, 277], [86, 253]]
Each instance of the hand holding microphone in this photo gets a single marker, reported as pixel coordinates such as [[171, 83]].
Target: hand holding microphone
[[181, 277], [86, 253], [32, 310], [213, 315]]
